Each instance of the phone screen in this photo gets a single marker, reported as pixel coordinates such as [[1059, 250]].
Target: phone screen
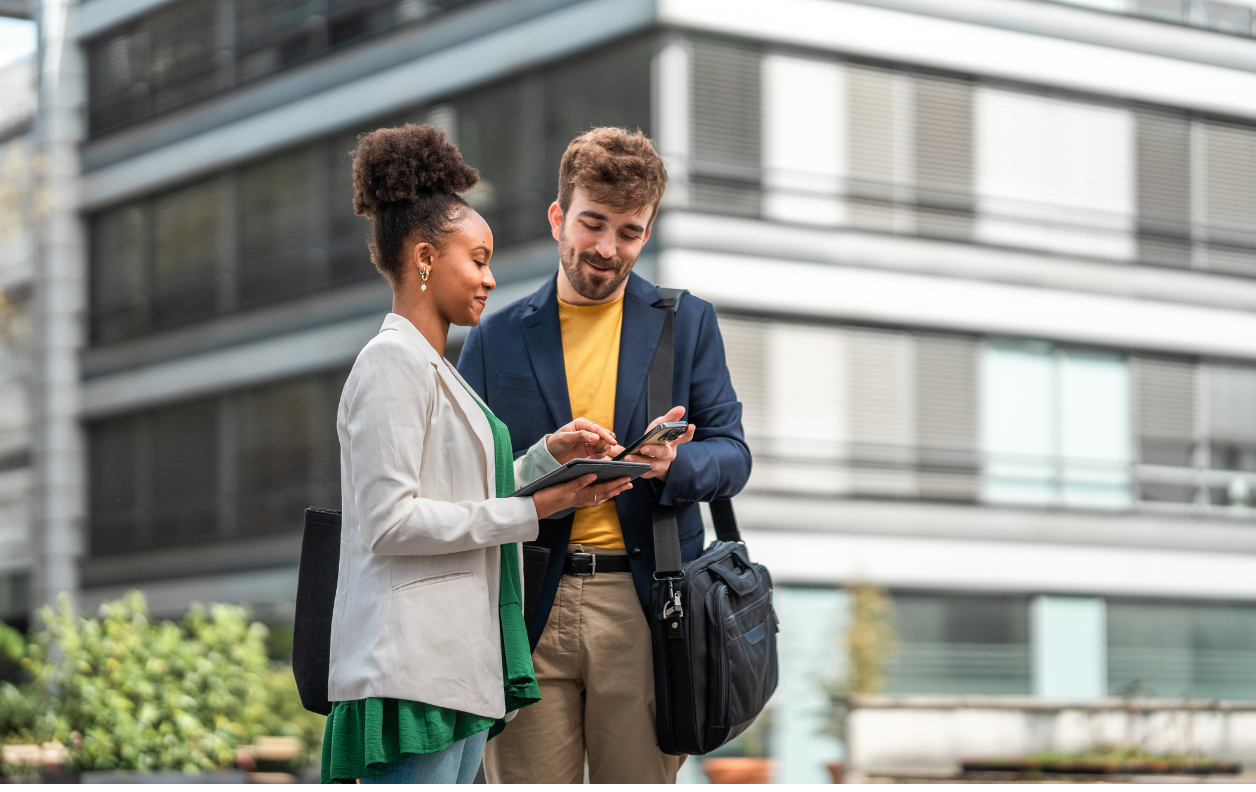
[[663, 433]]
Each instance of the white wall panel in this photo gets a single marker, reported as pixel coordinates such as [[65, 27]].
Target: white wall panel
[[1053, 174], [804, 139]]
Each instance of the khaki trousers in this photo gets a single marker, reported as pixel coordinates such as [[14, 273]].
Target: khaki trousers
[[596, 675]]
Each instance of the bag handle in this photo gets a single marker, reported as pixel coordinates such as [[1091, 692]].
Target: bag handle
[[667, 563]]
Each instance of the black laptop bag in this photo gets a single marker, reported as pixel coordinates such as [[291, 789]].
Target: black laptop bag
[[316, 599], [712, 624]]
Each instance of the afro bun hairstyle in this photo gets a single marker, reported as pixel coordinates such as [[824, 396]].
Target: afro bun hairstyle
[[407, 180]]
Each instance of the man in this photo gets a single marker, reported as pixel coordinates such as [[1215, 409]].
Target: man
[[581, 346]]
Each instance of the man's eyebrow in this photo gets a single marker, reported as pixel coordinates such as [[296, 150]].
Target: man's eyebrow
[[634, 227]]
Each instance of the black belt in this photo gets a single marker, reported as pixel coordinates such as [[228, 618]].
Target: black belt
[[589, 564]]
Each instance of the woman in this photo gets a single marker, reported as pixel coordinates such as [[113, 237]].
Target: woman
[[429, 651]]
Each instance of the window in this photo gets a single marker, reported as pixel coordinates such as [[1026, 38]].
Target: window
[[239, 465], [1164, 188], [842, 410], [957, 644], [725, 96], [1192, 650], [1053, 174], [804, 140], [189, 50], [284, 226], [187, 255], [1055, 426]]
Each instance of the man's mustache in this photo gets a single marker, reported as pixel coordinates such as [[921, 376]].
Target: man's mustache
[[598, 261]]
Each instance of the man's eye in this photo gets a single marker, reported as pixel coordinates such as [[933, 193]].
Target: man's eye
[[592, 227], [631, 237]]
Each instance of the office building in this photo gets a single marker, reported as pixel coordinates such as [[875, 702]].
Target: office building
[[984, 270]]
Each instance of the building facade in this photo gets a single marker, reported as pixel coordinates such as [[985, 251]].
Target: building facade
[[984, 269]]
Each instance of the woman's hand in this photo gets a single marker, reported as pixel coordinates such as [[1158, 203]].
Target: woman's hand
[[577, 494], [580, 439]]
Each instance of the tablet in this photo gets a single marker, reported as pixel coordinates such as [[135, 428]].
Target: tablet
[[604, 468]]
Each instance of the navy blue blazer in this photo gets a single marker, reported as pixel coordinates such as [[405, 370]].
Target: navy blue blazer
[[514, 361]]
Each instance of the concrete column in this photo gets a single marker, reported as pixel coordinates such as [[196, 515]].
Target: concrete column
[[671, 78], [1069, 644], [59, 309]]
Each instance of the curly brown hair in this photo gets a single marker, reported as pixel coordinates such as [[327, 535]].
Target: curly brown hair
[[615, 167], [407, 180]]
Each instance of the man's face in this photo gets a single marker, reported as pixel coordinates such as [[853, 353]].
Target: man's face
[[598, 244]]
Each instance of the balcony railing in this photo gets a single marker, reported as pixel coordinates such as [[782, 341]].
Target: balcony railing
[[898, 472]]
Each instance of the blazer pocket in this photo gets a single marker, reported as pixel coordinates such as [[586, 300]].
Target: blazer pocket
[[515, 383], [432, 580]]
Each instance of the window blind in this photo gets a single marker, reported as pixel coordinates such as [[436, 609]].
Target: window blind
[[883, 412], [1164, 188], [946, 416], [876, 164], [1230, 197], [1232, 404], [725, 100], [944, 164], [745, 353]]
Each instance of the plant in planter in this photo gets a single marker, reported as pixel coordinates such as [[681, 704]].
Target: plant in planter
[[868, 644], [128, 693]]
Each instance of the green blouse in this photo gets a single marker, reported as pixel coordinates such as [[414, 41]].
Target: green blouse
[[362, 736]]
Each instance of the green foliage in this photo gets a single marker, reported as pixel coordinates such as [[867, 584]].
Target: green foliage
[[129, 693]]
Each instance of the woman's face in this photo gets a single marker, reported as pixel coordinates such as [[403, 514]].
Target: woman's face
[[460, 279]]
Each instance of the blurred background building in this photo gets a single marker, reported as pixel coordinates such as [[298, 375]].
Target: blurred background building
[[986, 273]]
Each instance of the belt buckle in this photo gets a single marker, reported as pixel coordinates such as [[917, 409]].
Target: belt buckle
[[592, 564]]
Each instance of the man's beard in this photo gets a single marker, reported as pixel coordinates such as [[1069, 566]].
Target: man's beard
[[588, 285]]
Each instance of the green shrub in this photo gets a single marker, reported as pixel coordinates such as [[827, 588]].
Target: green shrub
[[129, 693]]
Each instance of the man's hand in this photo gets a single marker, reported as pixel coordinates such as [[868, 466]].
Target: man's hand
[[660, 456], [580, 439]]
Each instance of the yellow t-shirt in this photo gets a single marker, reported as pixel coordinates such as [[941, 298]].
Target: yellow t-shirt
[[591, 358]]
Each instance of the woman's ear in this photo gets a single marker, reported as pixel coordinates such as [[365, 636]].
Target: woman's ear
[[423, 255]]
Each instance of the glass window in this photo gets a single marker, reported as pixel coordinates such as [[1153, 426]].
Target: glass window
[[1055, 426], [119, 273], [186, 253], [1095, 429], [1192, 650], [1017, 423], [960, 644], [280, 238], [804, 139], [184, 460], [1053, 173], [288, 452], [171, 57], [236, 465]]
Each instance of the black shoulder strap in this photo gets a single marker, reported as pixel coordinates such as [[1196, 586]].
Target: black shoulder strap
[[667, 561]]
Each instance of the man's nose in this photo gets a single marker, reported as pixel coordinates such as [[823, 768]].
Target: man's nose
[[606, 247]]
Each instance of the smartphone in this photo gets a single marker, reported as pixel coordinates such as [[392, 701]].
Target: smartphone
[[660, 435]]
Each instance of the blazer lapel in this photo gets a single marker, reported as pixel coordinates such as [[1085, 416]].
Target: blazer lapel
[[475, 416], [638, 338], [544, 338]]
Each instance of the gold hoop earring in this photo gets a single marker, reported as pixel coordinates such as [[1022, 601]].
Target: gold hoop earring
[[423, 273]]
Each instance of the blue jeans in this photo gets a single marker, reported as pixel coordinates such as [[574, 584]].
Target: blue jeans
[[457, 764]]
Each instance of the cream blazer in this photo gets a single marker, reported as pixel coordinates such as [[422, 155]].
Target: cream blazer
[[416, 613]]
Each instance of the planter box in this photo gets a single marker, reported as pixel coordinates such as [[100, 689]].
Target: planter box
[[165, 777]]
